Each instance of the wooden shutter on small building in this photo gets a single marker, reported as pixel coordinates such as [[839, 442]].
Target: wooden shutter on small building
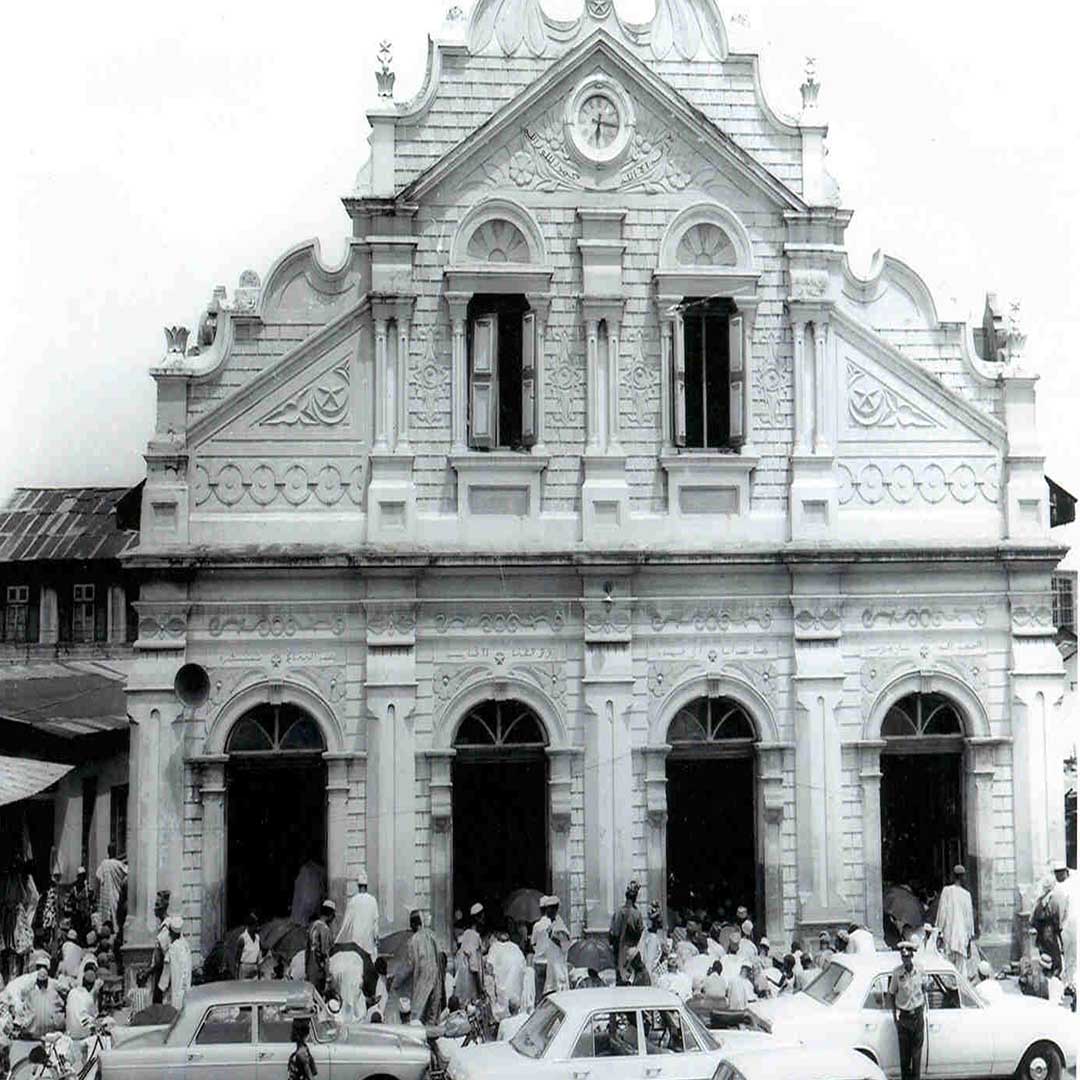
[[736, 382], [678, 381], [483, 383], [529, 420]]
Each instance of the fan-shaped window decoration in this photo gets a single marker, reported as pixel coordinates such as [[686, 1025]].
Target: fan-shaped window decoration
[[919, 715], [706, 244], [707, 721], [498, 241], [275, 728], [500, 724]]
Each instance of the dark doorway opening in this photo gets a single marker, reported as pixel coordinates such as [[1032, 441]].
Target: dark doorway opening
[[276, 809], [500, 781], [712, 812]]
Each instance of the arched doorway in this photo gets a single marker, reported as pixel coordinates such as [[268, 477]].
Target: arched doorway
[[500, 805], [276, 808], [922, 801], [711, 827]]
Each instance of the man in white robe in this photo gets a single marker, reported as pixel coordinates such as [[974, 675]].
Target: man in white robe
[[509, 969], [747, 949], [956, 920], [361, 923], [1064, 908], [175, 979], [111, 875]]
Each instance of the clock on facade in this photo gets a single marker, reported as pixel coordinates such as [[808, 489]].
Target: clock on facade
[[599, 120]]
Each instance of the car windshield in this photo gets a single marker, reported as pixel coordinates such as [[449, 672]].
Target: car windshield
[[704, 1036], [830, 984], [537, 1032]]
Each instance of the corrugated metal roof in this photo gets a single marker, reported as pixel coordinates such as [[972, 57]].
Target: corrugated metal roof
[[22, 777], [62, 702], [63, 523]]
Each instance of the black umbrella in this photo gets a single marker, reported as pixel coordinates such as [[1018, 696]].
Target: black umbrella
[[592, 953], [523, 905]]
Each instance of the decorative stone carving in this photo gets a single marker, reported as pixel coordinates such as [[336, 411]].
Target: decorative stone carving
[[431, 382], [810, 87], [498, 241], [384, 77], [712, 618], [922, 617], [549, 618], [817, 619], [448, 679], [176, 340], [772, 382], [325, 402], [809, 284], [567, 381], [706, 244], [162, 626], [329, 681], [1036, 616], [391, 623], [246, 294], [641, 385], [901, 483], [263, 482], [665, 675], [224, 682], [877, 672], [550, 678], [606, 621], [872, 404], [276, 624]]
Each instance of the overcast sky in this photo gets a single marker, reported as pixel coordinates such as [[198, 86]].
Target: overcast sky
[[154, 150]]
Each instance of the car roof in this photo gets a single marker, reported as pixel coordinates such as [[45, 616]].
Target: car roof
[[836, 1063], [241, 991], [614, 997], [877, 962]]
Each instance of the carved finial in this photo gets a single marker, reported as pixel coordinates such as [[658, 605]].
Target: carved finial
[[176, 339], [1015, 338], [598, 9], [455, 14], [384, 77], [810, 86]]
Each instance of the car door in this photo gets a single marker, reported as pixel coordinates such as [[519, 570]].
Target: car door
[[876, 1030], [222, 1047], [608, 1048], [274, 1044], [672, 1050], [959, 1031]]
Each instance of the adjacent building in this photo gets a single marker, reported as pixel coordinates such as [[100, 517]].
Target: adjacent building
[[592, 519]]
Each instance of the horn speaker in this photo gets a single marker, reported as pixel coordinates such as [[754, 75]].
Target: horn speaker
[[192, 685]]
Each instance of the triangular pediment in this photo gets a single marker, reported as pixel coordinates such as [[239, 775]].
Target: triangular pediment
[[312, 393], [675, 149], [885, 398]]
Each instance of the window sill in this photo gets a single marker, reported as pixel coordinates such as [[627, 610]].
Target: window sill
[[498, 483], [705, 483]]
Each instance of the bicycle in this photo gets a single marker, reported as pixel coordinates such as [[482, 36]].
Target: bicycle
[[56, 1057]]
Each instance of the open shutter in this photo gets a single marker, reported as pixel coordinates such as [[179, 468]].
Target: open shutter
[[678, 381], [736, 382], [483, 388], [528, 379]]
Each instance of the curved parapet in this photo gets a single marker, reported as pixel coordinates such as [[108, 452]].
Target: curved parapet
[[893, 297], [300, 287]]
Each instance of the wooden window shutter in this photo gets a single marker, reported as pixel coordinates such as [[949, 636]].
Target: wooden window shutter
[[529, 419], [736, 381], [678, 381], [483, 384]]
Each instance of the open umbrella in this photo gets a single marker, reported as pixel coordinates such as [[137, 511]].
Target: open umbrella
[[904, 907], [592, 953], [523, 905], [283, 937]]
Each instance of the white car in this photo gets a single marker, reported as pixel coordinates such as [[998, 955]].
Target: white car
[[847, 1005], [605, 1034], [798, 1063]]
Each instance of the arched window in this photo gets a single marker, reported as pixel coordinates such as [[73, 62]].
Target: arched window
[[922, 716], [494, 729], [275, 729], [711, 725]]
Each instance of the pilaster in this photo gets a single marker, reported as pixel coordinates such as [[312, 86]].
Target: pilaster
[[869, 751], [440, 763], [771, 786], [208, 774], [656, 819]]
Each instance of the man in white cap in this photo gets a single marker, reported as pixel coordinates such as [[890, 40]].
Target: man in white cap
[[747, 949], [508, 967], [987, 987], [71, 955], [956, 920], [1063, 907], [558, 941], [469, 984], [907, 998], [360, 926], [176, 975], [538, 940], [319, 943], [37, 997], [825, 950]]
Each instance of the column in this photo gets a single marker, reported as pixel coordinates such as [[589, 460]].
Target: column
[[592, 406], [614, 337], [402, 385], [822, 385], [440, 768], [337, 805], [459, 363], [212, 792], [656, 818], [770, 845], [979, 763], [667, 329], [870, 776], [803, 388], [541, 307], [560, 774], [381, 437]]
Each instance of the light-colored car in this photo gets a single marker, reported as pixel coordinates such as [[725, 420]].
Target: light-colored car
[[848, 1005], [798, 1063], [605, 1034], [242, 1031]]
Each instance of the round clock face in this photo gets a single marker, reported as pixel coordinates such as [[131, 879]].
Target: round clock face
[[598, 122]]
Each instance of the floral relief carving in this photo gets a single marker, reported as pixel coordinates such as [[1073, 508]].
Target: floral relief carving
[[275, 624], [877, 672], [550, 678], [503, 622], [267, 481], [567, 380], [927, 481], [665, 675], [922, 617], [329, 681], [163, 626], [391, 621], [772, 382], [324, 402], [1033, 616], [872, 404], [818, 620], [641, 383], [224, 682], [448, 679], [712, 618], [431, 381], [705, 244]]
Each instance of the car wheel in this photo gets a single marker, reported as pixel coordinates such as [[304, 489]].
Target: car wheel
[[1041, 1062], [31, 1070]]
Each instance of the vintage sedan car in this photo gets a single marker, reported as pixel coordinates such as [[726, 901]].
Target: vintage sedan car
[[241, 1031], [798, 1063], [847, 1005], [604, 1034]]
